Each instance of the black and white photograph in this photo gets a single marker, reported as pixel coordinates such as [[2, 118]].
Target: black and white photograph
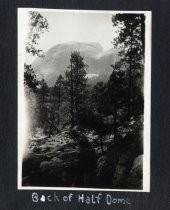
[[84, 80]]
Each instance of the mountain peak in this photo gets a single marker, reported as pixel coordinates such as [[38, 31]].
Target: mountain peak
[[79, 46], [57, 58], [92, 44]]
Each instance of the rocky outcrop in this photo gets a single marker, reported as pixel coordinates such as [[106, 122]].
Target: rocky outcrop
[[129, 169], [121, 167], [66, 165], [71, 159]]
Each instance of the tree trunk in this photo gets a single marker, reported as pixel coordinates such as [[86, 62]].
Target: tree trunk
[[115, 120], [50, 131], [115, 114], [72, 99], [59, 101], [130, 80]]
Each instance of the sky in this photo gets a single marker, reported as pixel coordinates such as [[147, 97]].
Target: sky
[[77, 26]]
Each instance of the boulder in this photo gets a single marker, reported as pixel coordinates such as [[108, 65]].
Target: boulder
[[137, 167], [135, 179], [126, 177]]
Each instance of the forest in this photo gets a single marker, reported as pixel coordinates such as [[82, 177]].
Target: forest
[[83, 133]]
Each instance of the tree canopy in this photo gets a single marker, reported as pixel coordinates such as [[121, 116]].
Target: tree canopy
[[37, 26]]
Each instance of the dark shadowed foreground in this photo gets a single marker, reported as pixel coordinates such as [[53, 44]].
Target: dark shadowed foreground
[[74, 159]]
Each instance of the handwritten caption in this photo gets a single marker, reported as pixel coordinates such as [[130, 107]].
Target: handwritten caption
[[80, 198]]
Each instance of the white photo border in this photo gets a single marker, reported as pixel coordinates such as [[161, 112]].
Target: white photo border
[[22, 115]]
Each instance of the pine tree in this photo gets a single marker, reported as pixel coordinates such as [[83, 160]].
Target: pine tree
[[76, 83], [30, 79], [116, 91], [42, 98], [130, 40], [100, 98], [51, 122], [58, 94]]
